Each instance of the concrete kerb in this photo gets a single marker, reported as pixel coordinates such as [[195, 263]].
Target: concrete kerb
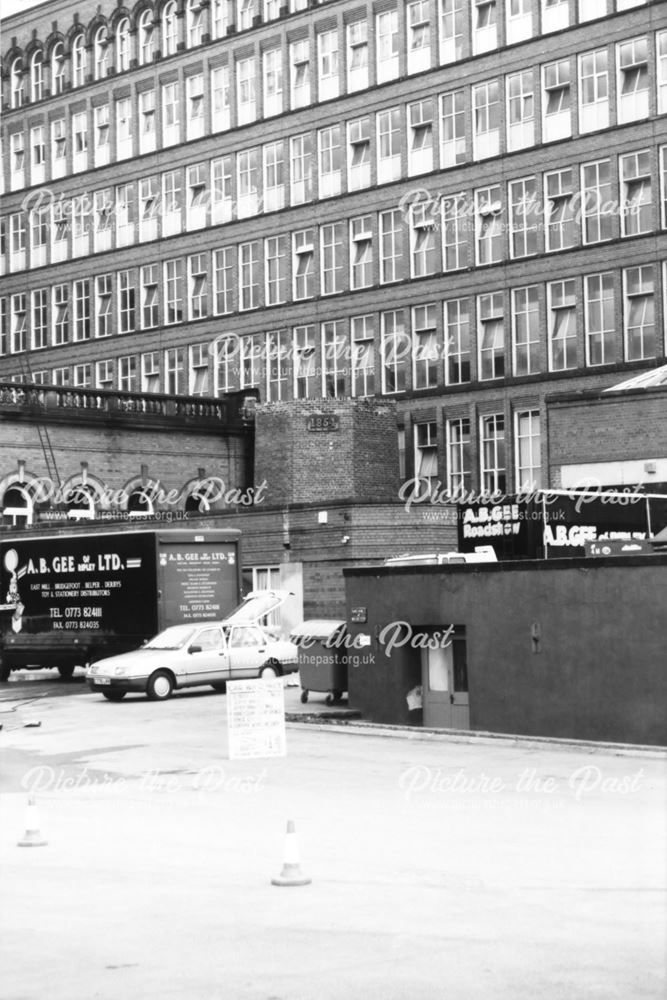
[[332, 724]]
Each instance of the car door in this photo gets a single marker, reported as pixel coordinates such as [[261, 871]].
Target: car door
[[247, 651], [205, 660]]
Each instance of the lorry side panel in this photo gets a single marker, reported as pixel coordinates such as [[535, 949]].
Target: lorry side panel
[[84, 593], [198, 578]]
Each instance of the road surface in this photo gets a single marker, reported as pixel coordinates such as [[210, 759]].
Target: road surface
[[440, 869]]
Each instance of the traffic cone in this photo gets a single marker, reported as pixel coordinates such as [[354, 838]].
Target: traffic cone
[[291, 873], [32, 837]]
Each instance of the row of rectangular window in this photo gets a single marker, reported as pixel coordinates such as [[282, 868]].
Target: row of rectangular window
[[573, 206], [431, 34], [456, 342], [470, 125], [490, 446]]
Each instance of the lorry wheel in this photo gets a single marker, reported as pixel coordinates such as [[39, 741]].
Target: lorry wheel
[[160, 685], [304, 697], [4, 673], [270, 670], [114, 695], [66, 671]]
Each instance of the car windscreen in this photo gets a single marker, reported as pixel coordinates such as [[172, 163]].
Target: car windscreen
[[171, 638]]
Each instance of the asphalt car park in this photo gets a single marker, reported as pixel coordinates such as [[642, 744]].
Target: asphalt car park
[[439, 867]]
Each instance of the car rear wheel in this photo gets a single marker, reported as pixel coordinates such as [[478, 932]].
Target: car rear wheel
[[270, 670], [160, 685], [114, 695], [220, 686]]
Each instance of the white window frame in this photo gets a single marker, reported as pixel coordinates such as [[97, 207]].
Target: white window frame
[[561, 296], [452, 29], [357, 55], [489, 235], [526, 330], [299, 59], [274, 169], [328, 77], [246, 85], [593, 108], [194, 105], [388, 122], [303, 264], [492, 453], [520, 110], [556, 101], [361, 252], [486, 130], [648, 332], [599, 318], [452, 129], [491, 336], [633, 71], [272, 75], [418, 35], [387, 46], [330, 173], [103, 305], [527, 450], [485, 26], [420, 136], [634, 178]]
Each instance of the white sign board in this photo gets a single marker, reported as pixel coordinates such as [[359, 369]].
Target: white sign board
[[256, 718]]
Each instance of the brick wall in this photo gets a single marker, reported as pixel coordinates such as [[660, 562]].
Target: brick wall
[[609, 428], [357, 458], [116, 456]]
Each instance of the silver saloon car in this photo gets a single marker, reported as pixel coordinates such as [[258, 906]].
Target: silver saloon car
[[190, 655]]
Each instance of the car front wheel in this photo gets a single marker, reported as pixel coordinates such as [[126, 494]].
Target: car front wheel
[[160, 685]]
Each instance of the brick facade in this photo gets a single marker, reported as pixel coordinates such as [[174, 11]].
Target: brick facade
[[618, 438], [328, 449], [421, 397]]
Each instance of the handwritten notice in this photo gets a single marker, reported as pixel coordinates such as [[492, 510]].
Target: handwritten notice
[[256, 719]]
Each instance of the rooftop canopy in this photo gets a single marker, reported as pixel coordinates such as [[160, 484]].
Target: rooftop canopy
[[648, 380]]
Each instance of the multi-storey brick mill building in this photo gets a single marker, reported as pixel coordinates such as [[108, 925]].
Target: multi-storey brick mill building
[[459, 205]]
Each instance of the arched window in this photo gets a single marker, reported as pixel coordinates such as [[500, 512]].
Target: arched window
[[139, 505], [219, 17], [37, 76], [169, 28], [101, 53], [195, 23], [202, 496], [80, 501], [58, 68], [79, 61], [146, 38], [123, 46], [16, 74], [17, 507]]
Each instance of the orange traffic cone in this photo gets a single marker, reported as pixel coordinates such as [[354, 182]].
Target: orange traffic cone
[[291, 873], [32, 837]]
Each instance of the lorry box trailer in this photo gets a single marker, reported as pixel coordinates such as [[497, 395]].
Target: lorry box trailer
[[68, 600]]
